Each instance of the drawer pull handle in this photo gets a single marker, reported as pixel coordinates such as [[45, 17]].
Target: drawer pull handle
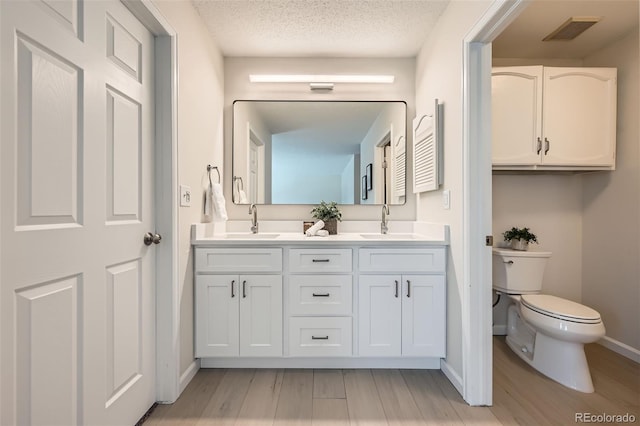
[[233, 294], [321, 294], [319, 337], [320, 260], [396, 289], [244, 289], [408, 288]]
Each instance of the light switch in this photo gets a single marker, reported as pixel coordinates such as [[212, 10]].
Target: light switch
[[446, 199], [185, 196]]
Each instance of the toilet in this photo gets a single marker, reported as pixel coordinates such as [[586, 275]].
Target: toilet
[[547, 332]]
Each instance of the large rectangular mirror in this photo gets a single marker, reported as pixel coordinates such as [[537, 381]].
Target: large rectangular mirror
[[303, 152]]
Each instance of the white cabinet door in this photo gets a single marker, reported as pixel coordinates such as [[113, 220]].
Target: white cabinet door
[[423, 315], [217, 315], [579, 116], [380, 315], [516, 108], [260, 315]]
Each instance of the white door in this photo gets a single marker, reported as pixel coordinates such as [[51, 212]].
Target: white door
[[516, 115], [380, 315], [579, 116], [260, 315], [78, 309], [217, 315], [423, 315]]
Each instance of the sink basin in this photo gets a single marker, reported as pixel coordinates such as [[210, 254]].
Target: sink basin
[[250, 236], [389, 236]]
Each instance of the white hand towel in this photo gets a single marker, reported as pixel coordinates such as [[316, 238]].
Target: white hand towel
[[243, 197], [315, 228], [219, 204], [208, 204], [322, 233]]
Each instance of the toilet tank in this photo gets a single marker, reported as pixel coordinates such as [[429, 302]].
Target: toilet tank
[[518, 272]]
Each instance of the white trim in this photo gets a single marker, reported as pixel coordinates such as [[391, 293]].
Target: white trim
[[476, 299], [451, 374], [323, 362], [620, 348], [189, 374], [166, 196]]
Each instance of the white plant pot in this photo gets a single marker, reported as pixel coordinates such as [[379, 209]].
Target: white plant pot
[[520, 245]]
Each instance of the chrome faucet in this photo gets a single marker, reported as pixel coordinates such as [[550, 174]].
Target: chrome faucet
[[254, 220], [383, 226]]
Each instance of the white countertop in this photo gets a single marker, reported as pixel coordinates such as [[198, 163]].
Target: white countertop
[[409, 233]]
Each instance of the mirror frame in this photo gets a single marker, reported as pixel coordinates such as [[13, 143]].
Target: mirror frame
[[402, 137]]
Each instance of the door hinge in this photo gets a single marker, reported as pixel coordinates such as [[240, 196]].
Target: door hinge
[[488, 240]]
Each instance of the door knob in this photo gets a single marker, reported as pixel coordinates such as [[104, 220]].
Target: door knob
[[150, 238]]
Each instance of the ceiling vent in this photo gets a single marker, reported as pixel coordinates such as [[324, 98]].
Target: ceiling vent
[[572, 28]]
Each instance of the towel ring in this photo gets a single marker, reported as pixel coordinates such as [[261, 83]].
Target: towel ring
[[209, 168], [240, 183]]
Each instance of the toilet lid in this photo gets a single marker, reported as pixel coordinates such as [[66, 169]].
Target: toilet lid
[[560, 308]]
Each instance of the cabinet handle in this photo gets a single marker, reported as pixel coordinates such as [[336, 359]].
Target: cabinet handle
[[321, 294], [539, 145], [319, 337], [320, 260], [244, 289], [408, 288], [233, 294], [546, 146], [396, 289]]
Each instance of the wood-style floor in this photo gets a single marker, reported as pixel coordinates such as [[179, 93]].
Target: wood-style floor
[[521, 395]]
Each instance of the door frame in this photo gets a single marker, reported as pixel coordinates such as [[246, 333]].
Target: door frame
[[166, 196], [477, 351]]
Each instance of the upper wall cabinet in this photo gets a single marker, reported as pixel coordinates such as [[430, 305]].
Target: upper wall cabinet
[[547, 118]]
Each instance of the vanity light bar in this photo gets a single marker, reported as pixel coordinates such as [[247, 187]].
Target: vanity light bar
[[329, 78]]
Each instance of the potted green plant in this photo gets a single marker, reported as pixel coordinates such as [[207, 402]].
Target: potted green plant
[[520, 238], [329, 214]]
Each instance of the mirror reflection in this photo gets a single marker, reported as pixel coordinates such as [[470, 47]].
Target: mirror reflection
[[303, 152]]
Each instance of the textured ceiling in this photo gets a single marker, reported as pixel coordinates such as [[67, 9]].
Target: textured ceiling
[[320, 28], [523, 38]]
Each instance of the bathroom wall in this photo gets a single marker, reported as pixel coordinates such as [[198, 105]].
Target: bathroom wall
[[439, 75], [200, 94], [611, 209], [237, 86]]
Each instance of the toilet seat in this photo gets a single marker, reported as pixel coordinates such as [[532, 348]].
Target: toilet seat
[[559, 308]]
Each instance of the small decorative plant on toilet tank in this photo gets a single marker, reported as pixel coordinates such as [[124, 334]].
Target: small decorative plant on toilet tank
[[519, 238]]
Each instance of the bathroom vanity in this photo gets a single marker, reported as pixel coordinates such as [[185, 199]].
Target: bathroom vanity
[[343, 301]]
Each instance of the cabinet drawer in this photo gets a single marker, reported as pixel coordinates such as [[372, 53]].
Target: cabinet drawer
[[238, 260], [320, 260], [320, 336], [320, 294], [403, 260]]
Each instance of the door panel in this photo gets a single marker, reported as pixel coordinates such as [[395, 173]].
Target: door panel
[[261, 315], [380, 315], [423, 315], [78, 304], [217, 315]]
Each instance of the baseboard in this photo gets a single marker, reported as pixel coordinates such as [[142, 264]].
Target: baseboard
[[499, 330], [623, 349], [326, 362], [188, 375], [453, 377]]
